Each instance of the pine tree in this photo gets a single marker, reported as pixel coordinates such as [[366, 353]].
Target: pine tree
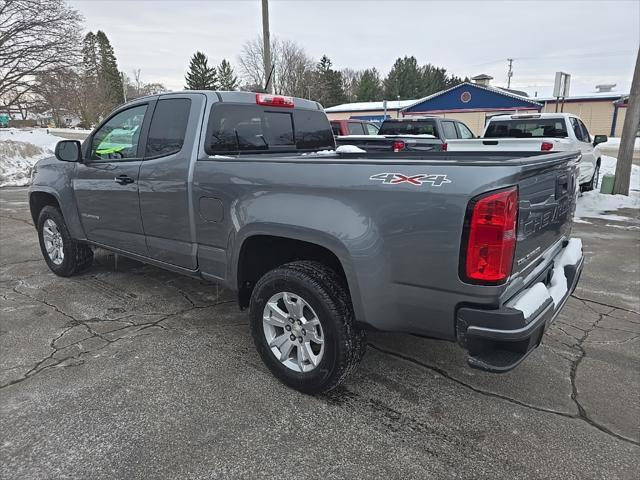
[[369, 87], [226, 79], [329, 88], [109, 76], [200, 76], [404, 80], [90, 100]]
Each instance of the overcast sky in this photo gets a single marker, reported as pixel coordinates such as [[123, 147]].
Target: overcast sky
[[595, 41]]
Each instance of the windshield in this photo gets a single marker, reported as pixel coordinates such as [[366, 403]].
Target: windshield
[[410, 127], [529, 128]]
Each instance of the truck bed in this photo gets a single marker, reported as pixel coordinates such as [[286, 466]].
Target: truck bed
[[396, 221]]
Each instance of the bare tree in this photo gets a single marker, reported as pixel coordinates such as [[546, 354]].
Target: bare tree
[[291, 65], [59, 93], [136, 81], [36, 37], [137, 88], [350, 83]]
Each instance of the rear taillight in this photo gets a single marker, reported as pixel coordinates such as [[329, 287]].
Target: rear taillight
[[398, 145], [546, 146], [491, 237], [274, 100], [444, 147]]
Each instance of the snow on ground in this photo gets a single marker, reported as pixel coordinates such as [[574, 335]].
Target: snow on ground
[[614, 142], [597, 205], [20, 149]]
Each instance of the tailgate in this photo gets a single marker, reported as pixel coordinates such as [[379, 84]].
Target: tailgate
[[547, 199], [498, 144]]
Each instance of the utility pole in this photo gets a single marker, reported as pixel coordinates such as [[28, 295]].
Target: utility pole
[[629, 131], [266, 49], [510, 72]]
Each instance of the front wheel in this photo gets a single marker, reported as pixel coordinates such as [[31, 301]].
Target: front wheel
[[64, 255], [303, 326]]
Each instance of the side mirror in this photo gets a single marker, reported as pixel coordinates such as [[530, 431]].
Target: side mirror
[[599, 139], [68, 151]]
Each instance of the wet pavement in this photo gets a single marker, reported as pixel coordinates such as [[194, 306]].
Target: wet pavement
[[134, 372]]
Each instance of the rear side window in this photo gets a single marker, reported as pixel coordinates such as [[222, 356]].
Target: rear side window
[[251, 128], [464, 131], [372, 129], [587, 135], [449, 130], [410, 127], [312, 131], [335, 128], [529, 128], [355, 128], [168, 127]]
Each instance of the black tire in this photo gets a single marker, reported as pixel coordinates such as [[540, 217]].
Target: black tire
[[326, 293], [77, 256], [593, 183]]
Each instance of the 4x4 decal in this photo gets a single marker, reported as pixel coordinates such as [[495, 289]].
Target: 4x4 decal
[[435, 180]]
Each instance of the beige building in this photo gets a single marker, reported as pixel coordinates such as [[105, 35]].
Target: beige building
[[602, 113]]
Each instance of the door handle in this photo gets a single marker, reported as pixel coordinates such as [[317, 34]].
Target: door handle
[[123, 179]]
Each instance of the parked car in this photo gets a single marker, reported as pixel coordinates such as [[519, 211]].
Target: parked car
[[243, 189], [353, 127], [411, 134], [546, 132]]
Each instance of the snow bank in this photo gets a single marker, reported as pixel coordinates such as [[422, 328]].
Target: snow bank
[[614, 142], [596, 205], [19, 152]]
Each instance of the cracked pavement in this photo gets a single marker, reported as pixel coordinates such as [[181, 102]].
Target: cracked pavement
[[136, 372]]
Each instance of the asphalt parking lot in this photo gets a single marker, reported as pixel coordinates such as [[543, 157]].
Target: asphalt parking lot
[[134, 372]]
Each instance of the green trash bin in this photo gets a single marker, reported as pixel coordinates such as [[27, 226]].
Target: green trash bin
[[607, 184]]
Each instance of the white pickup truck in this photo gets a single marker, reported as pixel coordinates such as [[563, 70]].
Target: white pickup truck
[[556, 132]]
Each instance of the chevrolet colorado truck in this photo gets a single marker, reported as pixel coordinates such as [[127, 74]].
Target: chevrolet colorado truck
[[541, 132], [246, 190]]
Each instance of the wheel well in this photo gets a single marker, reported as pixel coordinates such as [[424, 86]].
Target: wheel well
[[39, 200], [262, 253]]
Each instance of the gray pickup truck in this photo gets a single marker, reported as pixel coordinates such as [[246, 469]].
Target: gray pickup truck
[[245, 189], [406, 134]]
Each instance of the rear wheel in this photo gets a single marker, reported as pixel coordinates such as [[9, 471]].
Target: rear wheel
[[64, 255], [303, 326], [593, 183]]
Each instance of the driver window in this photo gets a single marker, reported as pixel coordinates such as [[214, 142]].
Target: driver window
[[118, 138]]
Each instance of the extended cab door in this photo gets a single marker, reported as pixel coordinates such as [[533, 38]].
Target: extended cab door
[[106, 182], [165, 179]]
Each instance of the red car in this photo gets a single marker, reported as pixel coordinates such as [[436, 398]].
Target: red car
[[353, 127]]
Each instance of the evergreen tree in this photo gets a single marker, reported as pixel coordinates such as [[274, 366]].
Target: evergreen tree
[[226, 78], [370, 87], [109, 78], [404, 80], [200, 76], [89, 92], [329, 88]]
